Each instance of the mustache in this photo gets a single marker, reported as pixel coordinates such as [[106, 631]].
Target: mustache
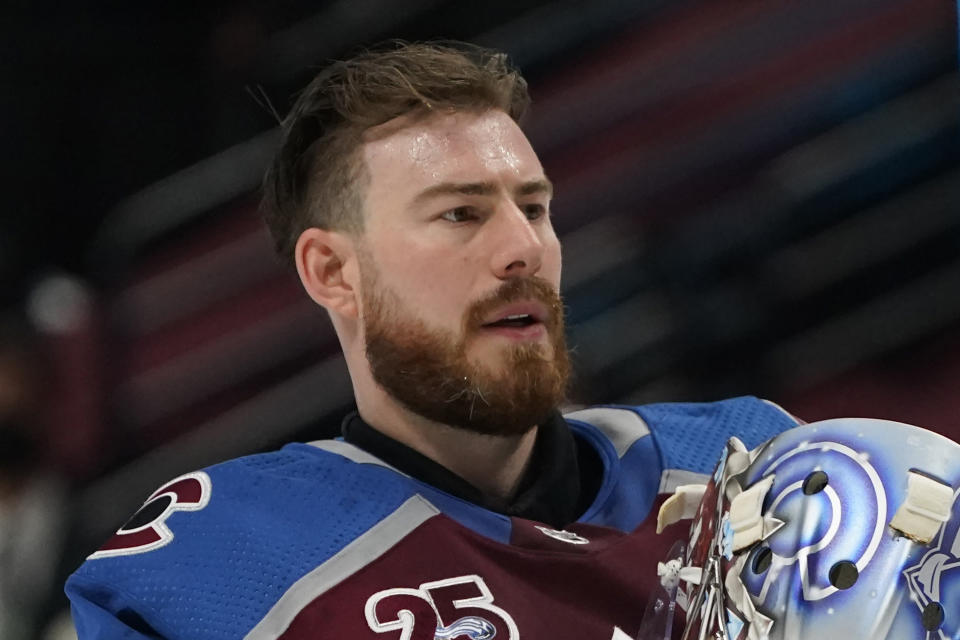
[[515, 290]]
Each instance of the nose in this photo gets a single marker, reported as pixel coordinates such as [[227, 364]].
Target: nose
[[518, 247]]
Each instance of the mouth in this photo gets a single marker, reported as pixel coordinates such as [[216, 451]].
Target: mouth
[[517, 320], [522, 320]]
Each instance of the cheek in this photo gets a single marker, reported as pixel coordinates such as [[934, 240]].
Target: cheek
[[552, 262], [434, 290]]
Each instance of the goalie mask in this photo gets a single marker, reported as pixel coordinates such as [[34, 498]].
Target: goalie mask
[[845, 528]]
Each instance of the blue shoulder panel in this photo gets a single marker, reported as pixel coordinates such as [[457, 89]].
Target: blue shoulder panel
[[631, 466], [270, 519], [485, 522], [691, 436], [646, 448]]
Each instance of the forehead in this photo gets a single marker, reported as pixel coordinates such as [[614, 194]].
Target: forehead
[[404, 156]]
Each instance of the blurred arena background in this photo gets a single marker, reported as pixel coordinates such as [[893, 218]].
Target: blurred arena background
[[754, 198]]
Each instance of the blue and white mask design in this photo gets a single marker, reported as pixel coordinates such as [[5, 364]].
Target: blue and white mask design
[[934, 582], [846, 528]]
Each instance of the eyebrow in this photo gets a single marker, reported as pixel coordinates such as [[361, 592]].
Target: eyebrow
[[531, 187]]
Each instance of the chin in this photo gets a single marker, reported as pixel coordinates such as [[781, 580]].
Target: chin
[[500, 359]]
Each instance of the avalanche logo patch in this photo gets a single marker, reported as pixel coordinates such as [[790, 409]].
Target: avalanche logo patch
[[147, 529], [459, 607]]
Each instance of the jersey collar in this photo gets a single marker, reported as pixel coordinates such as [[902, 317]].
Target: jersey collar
[[559, 484]]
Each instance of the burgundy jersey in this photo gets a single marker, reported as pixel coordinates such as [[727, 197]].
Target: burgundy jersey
[[323, 540]]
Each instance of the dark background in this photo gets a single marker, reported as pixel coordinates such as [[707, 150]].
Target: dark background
[[754, 198]]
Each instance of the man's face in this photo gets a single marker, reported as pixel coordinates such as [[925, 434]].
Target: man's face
[[461, 269]]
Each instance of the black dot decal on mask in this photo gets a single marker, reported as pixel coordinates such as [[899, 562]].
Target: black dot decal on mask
[[761, 560], [932, 616], [844, 574], [815, 482]]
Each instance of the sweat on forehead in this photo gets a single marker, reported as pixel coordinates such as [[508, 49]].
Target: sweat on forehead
[[462, 147]]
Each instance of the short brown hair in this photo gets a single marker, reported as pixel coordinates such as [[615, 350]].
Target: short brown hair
[[316, 177]]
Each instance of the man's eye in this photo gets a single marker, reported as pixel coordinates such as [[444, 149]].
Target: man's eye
[[534, 211], [460, 214]]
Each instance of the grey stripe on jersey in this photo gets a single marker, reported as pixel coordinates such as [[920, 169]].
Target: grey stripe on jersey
[[365, 549], [622, 426], [351, 452]]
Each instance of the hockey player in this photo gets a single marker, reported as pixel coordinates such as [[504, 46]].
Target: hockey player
[[459, 502]]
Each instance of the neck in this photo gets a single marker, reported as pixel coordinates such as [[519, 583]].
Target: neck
[[493, 464]]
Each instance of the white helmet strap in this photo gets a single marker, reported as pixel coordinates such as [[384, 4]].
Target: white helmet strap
[[925, 508]]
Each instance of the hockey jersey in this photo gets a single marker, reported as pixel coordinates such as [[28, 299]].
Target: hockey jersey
[[323, 540]]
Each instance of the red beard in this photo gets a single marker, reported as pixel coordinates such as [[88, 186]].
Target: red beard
[[428, 372]]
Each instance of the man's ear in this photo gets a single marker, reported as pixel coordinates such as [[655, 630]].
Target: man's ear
[[322, 258]]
